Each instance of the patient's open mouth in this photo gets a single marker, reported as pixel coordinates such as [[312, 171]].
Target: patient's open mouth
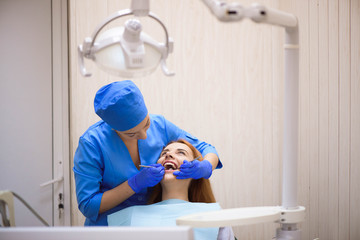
[[168, 165]]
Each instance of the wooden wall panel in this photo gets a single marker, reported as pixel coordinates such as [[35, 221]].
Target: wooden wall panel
[[313, 212], [225, 91], [323, 96], [331, 94], [355, 121], [344, 118], [228, 90], [333, 187], [302, 11]]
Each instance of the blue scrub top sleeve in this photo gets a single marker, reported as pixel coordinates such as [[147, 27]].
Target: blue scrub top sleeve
[[88, 177], [173, 133]]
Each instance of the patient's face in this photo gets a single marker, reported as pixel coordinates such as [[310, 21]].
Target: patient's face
[[173, 156]]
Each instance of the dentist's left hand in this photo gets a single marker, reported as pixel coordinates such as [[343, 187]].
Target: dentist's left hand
[[194, 169], [147, 177]]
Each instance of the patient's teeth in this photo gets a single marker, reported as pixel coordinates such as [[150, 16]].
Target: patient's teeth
[[169, 165]]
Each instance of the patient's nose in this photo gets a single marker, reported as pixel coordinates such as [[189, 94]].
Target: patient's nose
[[169, 156]]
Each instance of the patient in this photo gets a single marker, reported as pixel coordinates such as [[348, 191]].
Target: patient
[[173, 198]]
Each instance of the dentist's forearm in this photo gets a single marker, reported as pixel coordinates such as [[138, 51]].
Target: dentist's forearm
[[213, 159], [115, 196]]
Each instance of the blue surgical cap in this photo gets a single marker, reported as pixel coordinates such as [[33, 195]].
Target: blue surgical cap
[[121, 105]]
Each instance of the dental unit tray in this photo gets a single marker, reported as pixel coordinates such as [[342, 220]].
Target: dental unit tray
[[243, 216]]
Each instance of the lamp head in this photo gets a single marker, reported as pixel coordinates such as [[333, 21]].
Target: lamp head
[[132, 31], [125, 51]]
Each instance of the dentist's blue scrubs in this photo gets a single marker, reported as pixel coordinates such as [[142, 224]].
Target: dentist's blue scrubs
[[102, 162]]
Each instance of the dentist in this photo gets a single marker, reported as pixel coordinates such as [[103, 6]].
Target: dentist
[[106, 163]]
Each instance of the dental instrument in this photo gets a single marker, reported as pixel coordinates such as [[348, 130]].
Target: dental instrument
[[146, 166], [289, 214], [195, 159]]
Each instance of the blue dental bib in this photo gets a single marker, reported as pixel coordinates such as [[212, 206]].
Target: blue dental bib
[[164, 213]]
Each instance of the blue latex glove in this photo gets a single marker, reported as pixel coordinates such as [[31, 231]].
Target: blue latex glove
[[147, 177], [194, 169]]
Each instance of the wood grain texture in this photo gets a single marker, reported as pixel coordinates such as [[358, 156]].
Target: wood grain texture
[[355, 120], [344, 118], [333, 187], [313, 212], [323, 117], [228, 91]]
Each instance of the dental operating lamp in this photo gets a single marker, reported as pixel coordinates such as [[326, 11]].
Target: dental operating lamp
[[129, 52], [126, 51]]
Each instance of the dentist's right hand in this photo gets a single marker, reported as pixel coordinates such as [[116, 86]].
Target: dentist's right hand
[[147, 177]]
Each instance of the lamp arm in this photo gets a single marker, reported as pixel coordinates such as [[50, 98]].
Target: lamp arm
[[82, 67], [262, 14], [225, 12], [140, 8], [230, 12], [85, 49], [123, 13], [108, 20]]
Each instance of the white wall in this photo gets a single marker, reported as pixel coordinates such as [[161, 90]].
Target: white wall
[[228, 91], [34, 108]]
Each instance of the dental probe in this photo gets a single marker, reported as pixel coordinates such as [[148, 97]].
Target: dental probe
[[153, 166], [146, 166], [195, 158]]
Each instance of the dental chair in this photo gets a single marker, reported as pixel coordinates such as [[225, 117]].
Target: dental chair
[[7, 199]]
